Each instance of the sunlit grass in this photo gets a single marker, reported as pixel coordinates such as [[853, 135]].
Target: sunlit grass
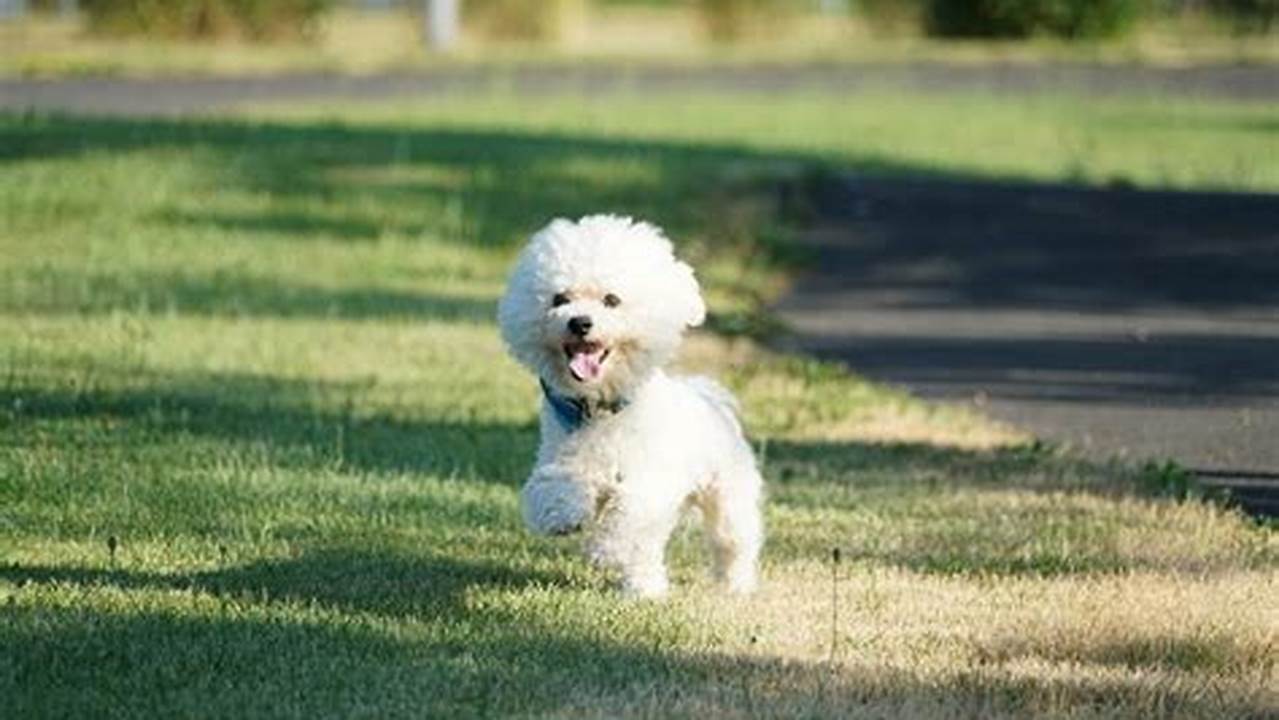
[[260, 444]]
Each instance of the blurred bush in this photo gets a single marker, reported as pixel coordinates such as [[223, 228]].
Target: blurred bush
[[1249, 16], [732, 20], [246, 19], [1025, 18], [891, 16], [543, 21]]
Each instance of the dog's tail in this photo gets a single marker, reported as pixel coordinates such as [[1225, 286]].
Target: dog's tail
[[718, 397]]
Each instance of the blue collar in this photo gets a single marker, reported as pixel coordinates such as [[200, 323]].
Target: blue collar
[[573, 413]]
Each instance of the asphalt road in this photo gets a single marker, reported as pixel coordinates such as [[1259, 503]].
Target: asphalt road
[[196, 95], [1121, 323]]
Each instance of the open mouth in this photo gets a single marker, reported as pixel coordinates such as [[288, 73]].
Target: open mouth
[[586, 359]]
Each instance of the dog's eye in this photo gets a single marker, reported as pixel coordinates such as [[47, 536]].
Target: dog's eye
[[611, 300], [559, 299]]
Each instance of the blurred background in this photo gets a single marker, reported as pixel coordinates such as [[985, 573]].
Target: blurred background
[[55, 37]]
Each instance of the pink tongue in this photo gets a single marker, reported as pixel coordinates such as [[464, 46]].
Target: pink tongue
[[586, 366]]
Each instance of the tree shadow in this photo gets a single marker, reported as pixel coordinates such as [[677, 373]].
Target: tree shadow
[[285, 224], [896, 466], [507, 182], [1005, 244], [1111, 369], [1010, 511], [353, 580], [1157, 652], [299, 423], [484, 190], [1043, 292], [234, 294], [263, 638], [231, 657], [916, 238], [778, 687]]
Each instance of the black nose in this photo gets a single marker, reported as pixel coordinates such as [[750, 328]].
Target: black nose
[[579, 325]]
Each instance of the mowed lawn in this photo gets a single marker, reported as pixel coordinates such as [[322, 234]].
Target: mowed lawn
[[260, 445]]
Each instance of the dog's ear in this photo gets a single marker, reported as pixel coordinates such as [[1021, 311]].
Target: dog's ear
[[689, 295]]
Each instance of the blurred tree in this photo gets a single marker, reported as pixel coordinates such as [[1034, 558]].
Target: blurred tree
[[891, 16], [522, 20], [247, 19], [732, 20], [1249, 16], [1024, 18]]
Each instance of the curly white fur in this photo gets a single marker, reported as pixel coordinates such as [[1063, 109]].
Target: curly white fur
[[651, 444]]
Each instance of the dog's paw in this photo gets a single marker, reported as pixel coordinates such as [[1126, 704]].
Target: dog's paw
[[645, 586], [554, 506], [742, 583], [556, 522]]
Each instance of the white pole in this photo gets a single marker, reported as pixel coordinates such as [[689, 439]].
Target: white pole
[[441, 24]]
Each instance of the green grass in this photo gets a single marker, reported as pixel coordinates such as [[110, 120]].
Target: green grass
[[260, 445]]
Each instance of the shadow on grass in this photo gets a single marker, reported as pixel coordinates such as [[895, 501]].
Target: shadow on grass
[[307, 424], [235, 294], [231, 652], [322, 418], [481, 189], [983, 242], [351, 580], [884, 472], [1156, 652], [932, 510], [506, 183], [1020, 511], [293, 225], [228, 645]]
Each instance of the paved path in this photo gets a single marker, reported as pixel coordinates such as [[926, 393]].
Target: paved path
[[1143, 324], [176, 96]]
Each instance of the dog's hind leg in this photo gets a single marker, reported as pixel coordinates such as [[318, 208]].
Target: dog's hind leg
[[735, 528]]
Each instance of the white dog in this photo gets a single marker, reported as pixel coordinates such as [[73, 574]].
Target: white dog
[[596, 308]]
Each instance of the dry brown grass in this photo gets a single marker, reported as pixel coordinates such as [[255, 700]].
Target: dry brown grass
[[916, 645], [1146, 608]]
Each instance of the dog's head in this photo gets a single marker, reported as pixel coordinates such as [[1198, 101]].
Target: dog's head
[[594, 306]]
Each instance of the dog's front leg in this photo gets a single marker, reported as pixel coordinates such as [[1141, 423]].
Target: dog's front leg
[[554, 503], [631, 534]]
